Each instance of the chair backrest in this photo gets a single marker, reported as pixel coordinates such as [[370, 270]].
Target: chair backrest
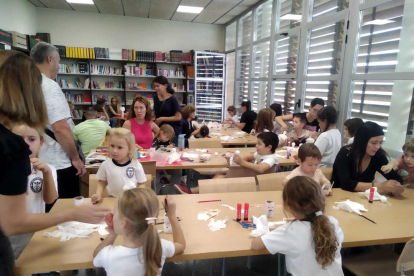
[[237, 171], [227, 185], [327, 172], [406, 258], [203, 143], [150, 167], [272, 181], [93, 183]]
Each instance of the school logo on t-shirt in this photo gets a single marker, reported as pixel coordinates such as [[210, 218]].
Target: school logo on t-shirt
[[36, 185], [130, 172]]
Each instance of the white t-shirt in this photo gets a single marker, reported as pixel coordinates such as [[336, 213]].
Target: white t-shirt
[[276, 127], [57, 109], [270, 159], [295, 241], [329, 144], [34, 198], [350, 141], [121, 177], [102, 118], [123, 261]]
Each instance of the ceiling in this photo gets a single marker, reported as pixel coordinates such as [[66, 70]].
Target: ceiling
[[214, 12]]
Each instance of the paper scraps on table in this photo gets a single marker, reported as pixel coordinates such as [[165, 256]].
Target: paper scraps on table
[[174, 157], [202, 150], [228, 206], [377, 196], [262, 226], [190, 155], [73, 229], [217, 225], [226, 138], [350, 206], [208, 214]]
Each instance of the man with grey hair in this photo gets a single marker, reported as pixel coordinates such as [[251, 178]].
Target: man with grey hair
[[60, 152]]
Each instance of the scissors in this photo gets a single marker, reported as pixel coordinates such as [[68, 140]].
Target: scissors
[[246, 225]]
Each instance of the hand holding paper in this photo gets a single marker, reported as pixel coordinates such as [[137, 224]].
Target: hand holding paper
[[262, 226]]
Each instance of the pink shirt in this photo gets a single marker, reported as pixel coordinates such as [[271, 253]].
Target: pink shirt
[[404, 171], [318, 176], [142, 133]]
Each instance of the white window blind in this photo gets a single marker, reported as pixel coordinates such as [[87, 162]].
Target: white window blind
[[324, 7], [242, 92], [259, 89], [284, 94], [261, 60], [286, 55], [326, 90], [290, 15], [263, 20], [243, 59], [231, 36], [378, 46], [245, 30]]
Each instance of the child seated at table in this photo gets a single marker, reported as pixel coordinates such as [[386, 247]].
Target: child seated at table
[[264, 122], [41, 184], [312, 241], [121, 171], [164, 137], [204, 132], [404, 164], [298, 134], [101, 113], [232, 116], [350, 128], [142, 251], [309, 157]]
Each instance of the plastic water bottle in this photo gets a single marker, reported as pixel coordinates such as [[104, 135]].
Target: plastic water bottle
[[181, 141]]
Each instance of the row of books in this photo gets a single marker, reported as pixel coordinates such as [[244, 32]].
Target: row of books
[[190, 99], [105, 70], [139, 86], [80, 67], [178, 87], [64, 83], [190, 85], [78, 98], [107, 84], [209, 86], [146, 95], [142, 69], [179, 72], [77, 114]]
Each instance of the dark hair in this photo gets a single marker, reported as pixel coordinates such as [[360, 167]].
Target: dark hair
[[303, 195], [247, 104], [231, 108], [204, 131], [277, 108], [353, 125], [329, 114], [301, 116], [269, 138], [164, 81], [98, 108], [309, 150], [359, 147], [101, 101], [317, 101]]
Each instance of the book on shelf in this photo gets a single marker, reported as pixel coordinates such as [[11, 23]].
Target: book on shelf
[[178, 87], [77, 114], [139, 86], [177, 73], [74, 68], [190, 99], [61, 50], [77, 52], [105, 70], [96, 97], [190, 85], [175, 56], [78, 98], [145, 56], [64, 83], [146, 95], [107, 84], [142, 69]]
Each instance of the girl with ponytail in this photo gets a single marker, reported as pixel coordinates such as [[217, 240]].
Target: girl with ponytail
[[312, 241], [142, 252]]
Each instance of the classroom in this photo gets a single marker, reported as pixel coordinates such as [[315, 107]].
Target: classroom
[[206, 137]]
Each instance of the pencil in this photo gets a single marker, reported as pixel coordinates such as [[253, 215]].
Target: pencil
[[214, 200], [368, 219]]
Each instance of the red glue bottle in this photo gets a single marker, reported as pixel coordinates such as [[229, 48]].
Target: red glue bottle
[[246, 211], [371, 194], [239, 206]]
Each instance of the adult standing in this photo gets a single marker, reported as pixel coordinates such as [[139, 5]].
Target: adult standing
[[355, 165], [247, 118], [22, 102], [311, 124], [62, 152], [329, 141], [166, 106], [140, 124]]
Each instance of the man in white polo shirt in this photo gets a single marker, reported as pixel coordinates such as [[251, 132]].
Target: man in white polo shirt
[[62, 154]]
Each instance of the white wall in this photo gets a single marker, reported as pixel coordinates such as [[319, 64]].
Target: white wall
[[18, 15], [83, 29]]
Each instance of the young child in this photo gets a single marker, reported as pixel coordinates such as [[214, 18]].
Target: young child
[[298, 134], [404, 164], [101, 113], [277, 108], [164, 137], [114, 109], [312, 242], [350, 128], [204, 132], [232, 114], [308, 158], [142, 252], [264, 122], [121, 171], [41, 184]]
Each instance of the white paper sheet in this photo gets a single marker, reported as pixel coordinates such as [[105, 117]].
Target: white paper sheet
[[262, 226], [350, 206], [216, 225], [73, 229]]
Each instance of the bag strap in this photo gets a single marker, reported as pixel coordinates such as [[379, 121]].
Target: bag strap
[[51, 134]]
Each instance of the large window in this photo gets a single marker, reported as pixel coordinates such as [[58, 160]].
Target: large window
[[262, 23], [231, 36], [245, 30]]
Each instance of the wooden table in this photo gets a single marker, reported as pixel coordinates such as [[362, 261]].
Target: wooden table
[[394, 225]]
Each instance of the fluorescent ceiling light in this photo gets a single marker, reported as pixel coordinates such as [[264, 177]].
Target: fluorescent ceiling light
[[291, 17], [379, 22], [86, 2], [189, 9]]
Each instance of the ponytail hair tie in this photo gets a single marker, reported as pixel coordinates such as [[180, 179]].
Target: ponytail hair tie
[[151, 220], [319, 213]]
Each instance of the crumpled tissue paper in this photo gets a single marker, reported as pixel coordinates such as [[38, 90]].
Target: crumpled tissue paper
[[350, 206], [217, 225], [377, 196], [262, 226], [174, 157], [73, 229], [228, 206]]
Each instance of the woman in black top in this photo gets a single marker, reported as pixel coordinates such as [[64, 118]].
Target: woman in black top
[[166, 106], [247, 119], [22, 102], [355, 165]]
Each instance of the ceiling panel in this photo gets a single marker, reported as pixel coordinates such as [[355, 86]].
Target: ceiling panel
[[163, 9], [84, 8], [36, 3], [138, 8], [225, 19], [188, 17], [110, 6], [215, 10], [56, 4], [243, 6]]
